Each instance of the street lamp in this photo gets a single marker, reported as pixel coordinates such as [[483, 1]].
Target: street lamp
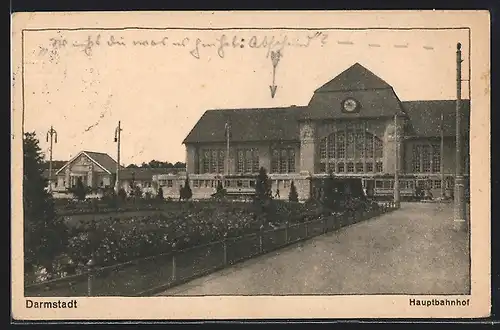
[[52, 135], [117, 140]]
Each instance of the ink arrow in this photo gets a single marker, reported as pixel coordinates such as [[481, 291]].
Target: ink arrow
[[275, 58]]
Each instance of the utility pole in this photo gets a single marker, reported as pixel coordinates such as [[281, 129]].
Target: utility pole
[[396, 165], [459, 207], [227, 129], [52, 134], [441, 163], [117, 140]]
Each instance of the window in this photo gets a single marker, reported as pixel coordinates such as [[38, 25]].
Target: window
[[350, 167], [437, 184], [359, 167], [340, 145], [170, 183], [322, 167], [356, 145], [252, 183], [350, 145], [379, 167], [426, 159], [248, 160], [286, 183], [212, 161], [196, 183], [436, 159], [369, 167], [283, 160], [379, 184], [239, 183], [416, 159], [340, 167], [360, 147]]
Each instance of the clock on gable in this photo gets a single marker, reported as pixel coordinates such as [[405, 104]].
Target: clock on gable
[[350, 105]]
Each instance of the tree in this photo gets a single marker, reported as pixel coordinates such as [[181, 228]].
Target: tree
[[263, 191], [220, 188], [45, 235], [159, 194], [79, 190], [293, 196], [186, 192], [330, 194]]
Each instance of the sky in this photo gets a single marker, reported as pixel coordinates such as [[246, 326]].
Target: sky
[[159, 91]]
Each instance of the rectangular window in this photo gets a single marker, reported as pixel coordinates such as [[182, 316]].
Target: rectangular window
[[378, 148], [283, 156], [359, 167], [350, 167], [322, 167], [360, 147], [275, 161], [379, 184], [255, 161], [379, 167], [170, 183], [291, 161], [286, 184], [436, 159], [221, 161], [341, 167], [341, 145], [322, 148], [331, 146], [426, 159], [350, 145], [437, 184], [252, 183], [369, 167], [416, 159], [241, 161], [369, 145], [213, 161]]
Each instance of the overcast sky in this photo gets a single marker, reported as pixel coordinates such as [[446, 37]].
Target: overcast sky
[[159, 92]]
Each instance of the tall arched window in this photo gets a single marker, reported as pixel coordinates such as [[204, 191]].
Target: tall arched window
[[351, 151]]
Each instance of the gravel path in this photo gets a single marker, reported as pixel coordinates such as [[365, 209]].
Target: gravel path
[[413, 250]]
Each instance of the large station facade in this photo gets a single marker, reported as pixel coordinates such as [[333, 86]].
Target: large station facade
[[354, 126]]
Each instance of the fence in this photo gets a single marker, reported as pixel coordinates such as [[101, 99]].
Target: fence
[[147, 276]]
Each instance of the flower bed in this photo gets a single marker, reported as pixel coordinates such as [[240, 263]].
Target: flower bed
[[179, 225]]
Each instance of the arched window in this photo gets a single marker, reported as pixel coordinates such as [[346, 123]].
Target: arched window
[[351, 151]]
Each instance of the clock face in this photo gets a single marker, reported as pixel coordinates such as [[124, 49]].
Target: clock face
[[350, 105]]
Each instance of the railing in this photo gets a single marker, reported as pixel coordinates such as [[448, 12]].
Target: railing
[[147, 276]]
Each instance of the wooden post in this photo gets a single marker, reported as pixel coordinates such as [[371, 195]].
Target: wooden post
[[90, 276], [174, 266], [224, 242], [261, 231], [286, 232]]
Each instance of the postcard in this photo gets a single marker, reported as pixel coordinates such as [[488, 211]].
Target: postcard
[[250, 165]]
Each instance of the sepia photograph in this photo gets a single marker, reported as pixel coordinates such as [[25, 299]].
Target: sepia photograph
[[250, 165]]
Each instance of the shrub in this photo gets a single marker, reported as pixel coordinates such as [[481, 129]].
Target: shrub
[[293, 195], [159, 194]]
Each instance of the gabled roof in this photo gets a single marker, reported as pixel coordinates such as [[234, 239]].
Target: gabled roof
[[248, 125], [100, 159], [425, 117], [356, 77]]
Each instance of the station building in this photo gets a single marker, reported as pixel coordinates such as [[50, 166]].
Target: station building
[[353, 126]]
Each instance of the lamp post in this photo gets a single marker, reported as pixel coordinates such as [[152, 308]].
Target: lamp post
[[459, 205], [396, 164], [52, 135], [117, 140]]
